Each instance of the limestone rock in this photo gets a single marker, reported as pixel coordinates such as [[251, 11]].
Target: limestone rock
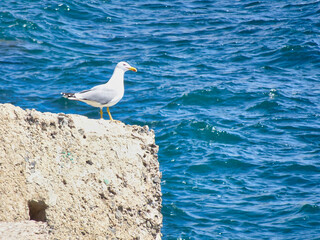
[[82, 178], [26, 230]]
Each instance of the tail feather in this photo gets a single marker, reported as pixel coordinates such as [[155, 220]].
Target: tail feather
[[68, 95]]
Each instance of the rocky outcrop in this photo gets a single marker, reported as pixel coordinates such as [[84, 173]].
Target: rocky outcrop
[[82, 178], [24, 230]]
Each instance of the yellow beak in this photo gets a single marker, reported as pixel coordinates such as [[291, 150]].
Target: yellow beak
[[132, 69]]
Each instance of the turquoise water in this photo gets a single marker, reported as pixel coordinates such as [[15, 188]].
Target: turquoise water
[[231, 89]]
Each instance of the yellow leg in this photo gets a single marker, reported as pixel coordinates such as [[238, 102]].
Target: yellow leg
[[109, 114], [101, 113]]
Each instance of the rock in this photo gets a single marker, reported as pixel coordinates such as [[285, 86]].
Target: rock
[[78, 178], [26, 230]]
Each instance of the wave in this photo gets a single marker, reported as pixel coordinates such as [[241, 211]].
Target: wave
[[205, 131]]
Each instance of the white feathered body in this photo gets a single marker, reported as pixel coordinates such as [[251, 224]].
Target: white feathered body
[[105, 95]]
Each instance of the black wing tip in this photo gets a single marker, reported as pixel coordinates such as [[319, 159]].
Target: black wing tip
[[67, 95]]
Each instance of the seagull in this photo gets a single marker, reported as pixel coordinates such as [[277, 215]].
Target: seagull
[[104, 95]]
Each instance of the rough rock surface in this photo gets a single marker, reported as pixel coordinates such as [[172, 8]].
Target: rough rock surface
[[82, 178], [26, 230]]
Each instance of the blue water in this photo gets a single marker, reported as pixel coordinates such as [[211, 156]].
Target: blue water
[[231, 89]]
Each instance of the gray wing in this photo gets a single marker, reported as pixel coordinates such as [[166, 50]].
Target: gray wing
[[99, 94]]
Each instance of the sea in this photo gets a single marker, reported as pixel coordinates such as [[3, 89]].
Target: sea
[[231, 89]]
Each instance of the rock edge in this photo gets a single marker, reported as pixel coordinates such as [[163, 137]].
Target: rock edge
[[82, 178]]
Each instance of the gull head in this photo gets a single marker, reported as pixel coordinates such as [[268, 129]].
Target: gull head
[[125, 66]]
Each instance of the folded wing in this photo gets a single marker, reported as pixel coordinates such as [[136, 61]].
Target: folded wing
[[100, 95]]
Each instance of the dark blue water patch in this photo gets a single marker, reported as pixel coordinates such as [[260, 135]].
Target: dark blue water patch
[[313, 138], [298, 168], [310, 209], [297, 126], [302, 4], [200, 169], [231, 165], [262, 198], [204, 96], [294, 55], [204, 131], [214, 166], [262, 128], [296, 180], [253, 4], [267, 106], [6, 94], [295, 177], [239, 58]]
